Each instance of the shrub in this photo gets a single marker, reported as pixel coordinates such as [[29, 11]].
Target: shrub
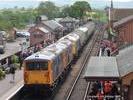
[[2, 73]]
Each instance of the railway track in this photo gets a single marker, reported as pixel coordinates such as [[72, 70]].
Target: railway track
[[78, 88], [87, 91], [88, 86]]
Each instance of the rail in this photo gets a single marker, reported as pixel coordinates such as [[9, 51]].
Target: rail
[[96, 37], [83, 66], [87, 90]]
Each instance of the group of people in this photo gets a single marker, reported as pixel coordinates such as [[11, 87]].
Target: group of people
[[21, 57], [103, 90], [108, 47], [29, 52], [9, 64], [105, 49]]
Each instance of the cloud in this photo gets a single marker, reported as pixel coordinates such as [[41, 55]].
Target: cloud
[[116, 0], [121, 0], [104, 0], [64, 0], [20, 0]]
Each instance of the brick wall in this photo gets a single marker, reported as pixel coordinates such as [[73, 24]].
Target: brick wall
[[125, 33]]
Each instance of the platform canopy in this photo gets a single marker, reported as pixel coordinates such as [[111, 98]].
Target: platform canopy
[[102, 68]]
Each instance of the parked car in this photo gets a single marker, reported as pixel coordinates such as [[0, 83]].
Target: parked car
[[4, 34], [2, 43], [22, 34]]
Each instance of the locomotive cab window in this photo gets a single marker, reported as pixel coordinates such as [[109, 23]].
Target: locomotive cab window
[[37, 65]]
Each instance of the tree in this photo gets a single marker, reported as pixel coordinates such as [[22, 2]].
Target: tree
[[49, 9], [18, 18], [65, 11], [79, 9]]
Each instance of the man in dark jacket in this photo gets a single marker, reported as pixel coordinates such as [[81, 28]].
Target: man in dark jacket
[[21, 58], [12, 71]]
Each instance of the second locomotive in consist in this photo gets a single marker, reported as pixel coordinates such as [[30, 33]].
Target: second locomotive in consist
[[46, 67]]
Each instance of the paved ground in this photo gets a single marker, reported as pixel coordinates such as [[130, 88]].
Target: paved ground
[[12, 48], [6, 86]]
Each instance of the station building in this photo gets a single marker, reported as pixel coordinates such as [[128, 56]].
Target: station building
[[125, 66], [122, 22], [69, 24], [124, 30], [119, 68], [45, 31]]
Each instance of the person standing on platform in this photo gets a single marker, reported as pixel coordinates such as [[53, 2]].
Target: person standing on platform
[[21, 58], [12, 71], [107, 87], [99, 95], [13, 68], [103, 50], [108, 50], [9, 62]]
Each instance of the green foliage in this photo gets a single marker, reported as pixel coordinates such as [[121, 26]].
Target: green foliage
[[49, 9], [2, 74], [101, 16], [15, 59], [18, 18], [77, 10], [65, 11]]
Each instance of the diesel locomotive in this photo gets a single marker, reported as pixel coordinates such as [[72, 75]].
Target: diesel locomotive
[[48, 66]]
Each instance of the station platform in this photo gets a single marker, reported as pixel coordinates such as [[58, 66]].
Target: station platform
[[8, 89], [12, 48]]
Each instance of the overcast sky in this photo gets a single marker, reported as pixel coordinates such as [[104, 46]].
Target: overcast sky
[[93, 3]]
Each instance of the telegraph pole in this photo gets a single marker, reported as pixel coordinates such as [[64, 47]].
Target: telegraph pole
[[111, 4], [110, 10]]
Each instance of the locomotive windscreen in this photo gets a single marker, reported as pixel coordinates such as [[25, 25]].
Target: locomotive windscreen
[[37, 65]]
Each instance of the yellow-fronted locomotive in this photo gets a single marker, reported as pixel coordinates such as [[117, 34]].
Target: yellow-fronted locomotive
[[46, 67]]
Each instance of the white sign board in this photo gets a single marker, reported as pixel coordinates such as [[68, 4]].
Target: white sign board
[[25, 45]]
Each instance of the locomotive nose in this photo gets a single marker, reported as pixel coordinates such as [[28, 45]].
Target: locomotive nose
[[37, 77]]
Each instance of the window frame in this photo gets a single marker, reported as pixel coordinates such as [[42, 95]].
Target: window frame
[[39, 68]]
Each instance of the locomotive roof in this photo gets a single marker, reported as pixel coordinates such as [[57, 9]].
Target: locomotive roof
[[65, 41], [41, 55], [72, 36], [84, 29], [78, 32], [61, 45], [89, 24], [64, 44], [54, 48]]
